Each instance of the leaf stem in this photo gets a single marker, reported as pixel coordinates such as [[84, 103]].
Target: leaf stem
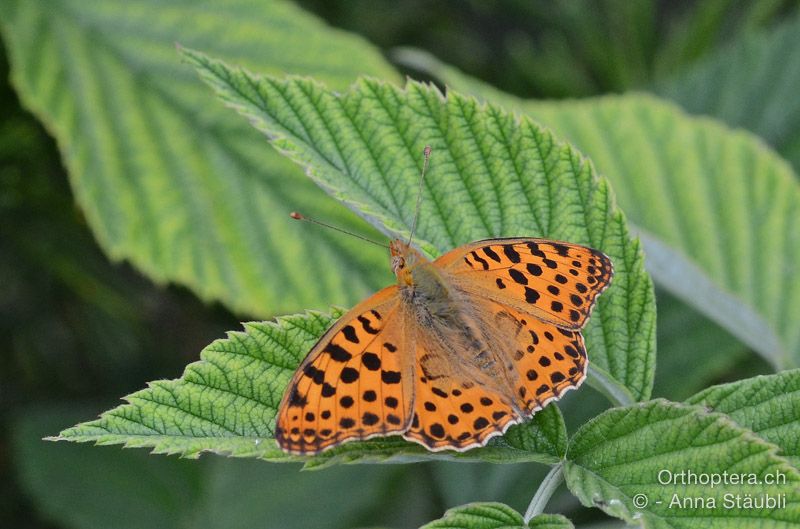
[[549, 484], [618, 394]]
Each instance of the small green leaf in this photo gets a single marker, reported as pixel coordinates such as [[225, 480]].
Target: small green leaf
[[717, 212], [227, 402], [492, 515], [751, 83], [479, 516], [550, 521], [168, 180], [628, 462], [491, 175], [767, 405]]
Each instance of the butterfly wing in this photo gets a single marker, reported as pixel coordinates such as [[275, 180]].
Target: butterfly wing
[[527, 299], [547, 360], [350, 386], [557, 282], [458, 405], [452, 412]]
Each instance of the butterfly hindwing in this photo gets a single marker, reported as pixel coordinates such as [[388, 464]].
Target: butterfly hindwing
[[351, 385], [555, 281], [548, 359], [453, 412], [532, 363]]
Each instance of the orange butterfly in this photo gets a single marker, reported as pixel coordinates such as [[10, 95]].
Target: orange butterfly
[[459, 350]]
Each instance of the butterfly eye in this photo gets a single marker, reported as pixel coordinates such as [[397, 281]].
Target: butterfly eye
[[398, 263]]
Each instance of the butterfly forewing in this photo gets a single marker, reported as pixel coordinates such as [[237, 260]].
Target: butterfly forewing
[[555, 281], [353, 383]]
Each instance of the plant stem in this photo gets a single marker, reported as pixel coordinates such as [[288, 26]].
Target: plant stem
[[546, 489], [602, 382]]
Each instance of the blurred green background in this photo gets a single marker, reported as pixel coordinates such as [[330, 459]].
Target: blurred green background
[[80, 331]]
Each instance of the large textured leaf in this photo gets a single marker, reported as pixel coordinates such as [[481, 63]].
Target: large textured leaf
[[227, 404], [491, 175], [167, 179], [767, 405], [494, 516], [751, 83], [621, 455], [718, 213]]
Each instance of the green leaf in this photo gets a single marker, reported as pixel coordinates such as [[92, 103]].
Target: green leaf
[[751, 83], [632, 451], [717, 212], [227, 402], [550, 521], [172, 182], [491, 175], [494, 516], [479, 516], [767, 405]]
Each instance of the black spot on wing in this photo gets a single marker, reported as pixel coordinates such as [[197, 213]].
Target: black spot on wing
[[439, 392], [348, 375], [491, 254], [480, 260], [531, 295], [297, 399], [437, 430], [367, 325], [511, 253], [560, 249], [390, 377], [517, 276], [328, 390], [369, 418], [337, 353], [371, 361], [350, 333], [534, 269]]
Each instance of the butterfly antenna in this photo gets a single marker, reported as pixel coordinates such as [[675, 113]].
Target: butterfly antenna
[[427, 154], [297, 216]]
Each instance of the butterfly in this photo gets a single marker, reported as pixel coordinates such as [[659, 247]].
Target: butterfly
[[460, 349]]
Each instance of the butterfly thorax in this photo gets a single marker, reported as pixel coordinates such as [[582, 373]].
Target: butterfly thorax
[[442, 313], [422, 285], [417, 277]]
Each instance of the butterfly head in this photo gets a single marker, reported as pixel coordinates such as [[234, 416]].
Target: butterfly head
[[404, 259]]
